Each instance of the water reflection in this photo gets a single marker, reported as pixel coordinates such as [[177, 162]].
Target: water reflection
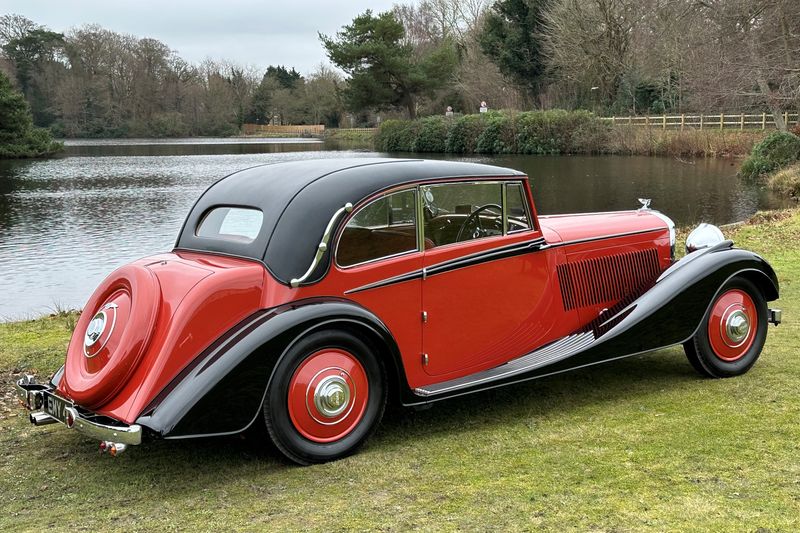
[[66, 223]]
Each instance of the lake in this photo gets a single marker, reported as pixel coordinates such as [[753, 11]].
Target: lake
[[66, 223]]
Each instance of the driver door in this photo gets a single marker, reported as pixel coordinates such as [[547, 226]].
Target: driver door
[[482, 298]]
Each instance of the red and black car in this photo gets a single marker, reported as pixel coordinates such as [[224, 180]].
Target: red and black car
[[305, 295]]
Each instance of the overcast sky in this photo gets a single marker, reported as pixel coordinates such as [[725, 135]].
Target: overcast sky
[[260, 33]]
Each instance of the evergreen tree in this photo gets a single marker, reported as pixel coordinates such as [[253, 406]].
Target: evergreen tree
[[384, 70], [18, 137], [512, 38]]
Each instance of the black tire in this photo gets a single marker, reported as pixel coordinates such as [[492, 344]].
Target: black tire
[[700, 352], [286, 437]]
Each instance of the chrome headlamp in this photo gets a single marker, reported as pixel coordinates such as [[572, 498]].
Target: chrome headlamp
[[703, 236]]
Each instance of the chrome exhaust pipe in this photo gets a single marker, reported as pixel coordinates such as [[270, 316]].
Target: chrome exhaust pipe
[[41, 418]]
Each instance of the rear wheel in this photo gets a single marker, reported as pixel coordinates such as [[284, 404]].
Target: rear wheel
[[326, 397], [732, 334]]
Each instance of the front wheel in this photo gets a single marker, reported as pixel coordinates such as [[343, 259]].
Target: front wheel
[[732, 334], [326, 397]]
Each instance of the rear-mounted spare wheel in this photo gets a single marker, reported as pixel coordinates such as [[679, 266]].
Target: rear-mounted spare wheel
[[112, 335]]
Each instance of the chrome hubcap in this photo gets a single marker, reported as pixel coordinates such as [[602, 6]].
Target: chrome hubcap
[[737, 326], [332, 396]]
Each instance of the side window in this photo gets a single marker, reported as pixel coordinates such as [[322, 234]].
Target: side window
[[240, 224], [382, 228], [456, 212], [517, 208]]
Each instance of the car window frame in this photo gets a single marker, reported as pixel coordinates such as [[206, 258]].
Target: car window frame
[[503, 203], [525, 206], [372, 200]]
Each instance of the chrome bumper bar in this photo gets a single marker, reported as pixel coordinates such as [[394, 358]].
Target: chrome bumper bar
[[775, 316], [48, 407]]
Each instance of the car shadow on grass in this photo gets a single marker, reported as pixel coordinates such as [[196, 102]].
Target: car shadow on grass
[[165, 464]]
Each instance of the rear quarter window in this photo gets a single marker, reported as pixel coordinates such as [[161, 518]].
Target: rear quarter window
[[238, 224]]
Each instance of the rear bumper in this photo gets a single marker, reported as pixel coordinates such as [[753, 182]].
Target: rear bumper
[[47, 407]]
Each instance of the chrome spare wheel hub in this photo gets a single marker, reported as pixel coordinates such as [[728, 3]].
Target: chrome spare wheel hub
[[737, 326], [95, 329], [332, 396]]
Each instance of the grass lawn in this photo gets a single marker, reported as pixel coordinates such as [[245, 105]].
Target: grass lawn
[[639, 444]]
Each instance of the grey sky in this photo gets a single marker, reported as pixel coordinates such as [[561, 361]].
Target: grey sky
[[252, 32]]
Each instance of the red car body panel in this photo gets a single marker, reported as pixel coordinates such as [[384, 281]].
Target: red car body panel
[[202, 296]]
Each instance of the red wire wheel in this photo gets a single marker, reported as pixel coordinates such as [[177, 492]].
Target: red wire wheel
[[729, 340], [111, 335], [325, 397], [731, 325], [328, 395]]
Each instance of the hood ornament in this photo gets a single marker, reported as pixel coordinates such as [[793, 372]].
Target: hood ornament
[[645, 203]]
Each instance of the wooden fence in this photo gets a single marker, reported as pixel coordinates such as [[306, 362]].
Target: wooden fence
[[719, 121], [294, 131]]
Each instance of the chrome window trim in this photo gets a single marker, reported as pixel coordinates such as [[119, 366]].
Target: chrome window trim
[[415, 190], [504, 207]]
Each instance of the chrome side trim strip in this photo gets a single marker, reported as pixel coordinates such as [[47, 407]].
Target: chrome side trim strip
[[500, 252], [322, 247]]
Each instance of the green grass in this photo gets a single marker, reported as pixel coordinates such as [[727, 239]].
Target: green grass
[[640, 444]]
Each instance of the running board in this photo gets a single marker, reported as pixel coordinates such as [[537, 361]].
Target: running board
[[547, 355]]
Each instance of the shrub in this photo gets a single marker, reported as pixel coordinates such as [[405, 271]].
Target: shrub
[[777, 150], [786, 181], [559, 131], [463, 135], [432, 134], [396, 136], [498, 137]]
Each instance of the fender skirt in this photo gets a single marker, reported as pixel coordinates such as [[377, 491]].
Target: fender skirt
[[222, 390], [667, 314]]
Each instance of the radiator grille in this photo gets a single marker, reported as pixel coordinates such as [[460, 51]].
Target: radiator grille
[[606, 279]]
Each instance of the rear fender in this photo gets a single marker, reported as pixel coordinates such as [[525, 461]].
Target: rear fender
[[222, 391]]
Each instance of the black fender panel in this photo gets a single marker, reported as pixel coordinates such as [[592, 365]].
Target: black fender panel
[[222, 391]]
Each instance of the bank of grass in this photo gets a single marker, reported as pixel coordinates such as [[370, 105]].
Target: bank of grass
[[555, 132], [639, 444]]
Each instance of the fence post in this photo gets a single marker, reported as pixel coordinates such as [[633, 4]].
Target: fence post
[[701, 122], [721, 120], [630, 120], [664, 121], [683, 120], [741, 122], [614, 121], [763, 121], [647, 120], [786, 118]]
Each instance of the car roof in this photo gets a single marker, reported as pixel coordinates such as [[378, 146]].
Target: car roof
[[299, 198]]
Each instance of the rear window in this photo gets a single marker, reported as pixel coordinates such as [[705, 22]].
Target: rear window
[[238, 224]]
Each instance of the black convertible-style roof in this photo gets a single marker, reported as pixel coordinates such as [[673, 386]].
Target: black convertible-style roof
[[297, 200]]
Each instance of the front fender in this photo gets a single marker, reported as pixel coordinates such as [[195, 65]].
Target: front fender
[[673, 309], [221, 392]]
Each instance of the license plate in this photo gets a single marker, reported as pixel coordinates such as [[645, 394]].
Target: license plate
[[56, 407]]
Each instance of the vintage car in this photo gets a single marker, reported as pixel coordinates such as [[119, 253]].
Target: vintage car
[[303, 296]]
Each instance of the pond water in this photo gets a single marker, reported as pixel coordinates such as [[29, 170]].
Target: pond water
[[66, 223]]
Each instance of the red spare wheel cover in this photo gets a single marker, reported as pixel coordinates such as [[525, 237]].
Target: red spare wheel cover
[[112, 335]]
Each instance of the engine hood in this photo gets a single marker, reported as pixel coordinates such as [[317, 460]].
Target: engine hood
[[586, 226]]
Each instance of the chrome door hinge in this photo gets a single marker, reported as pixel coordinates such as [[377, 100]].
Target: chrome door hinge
[[424, 317], [424, 359]]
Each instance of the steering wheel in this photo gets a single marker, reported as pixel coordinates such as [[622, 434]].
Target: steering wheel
[[473, 217]]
